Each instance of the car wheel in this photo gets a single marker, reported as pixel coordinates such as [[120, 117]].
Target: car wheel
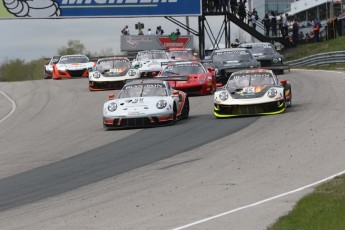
[[185, 110], [288, 104], [174, 114]]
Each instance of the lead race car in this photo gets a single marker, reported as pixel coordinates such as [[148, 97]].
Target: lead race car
[[111, 73], [252, 92], [145, 103], [70, 66]]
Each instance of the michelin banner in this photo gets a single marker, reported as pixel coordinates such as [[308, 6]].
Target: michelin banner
[[98, 8]]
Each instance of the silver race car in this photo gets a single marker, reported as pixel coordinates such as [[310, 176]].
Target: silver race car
[[145, 103]]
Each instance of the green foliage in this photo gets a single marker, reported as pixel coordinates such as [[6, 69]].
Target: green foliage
[[19, 70], [73, 47]]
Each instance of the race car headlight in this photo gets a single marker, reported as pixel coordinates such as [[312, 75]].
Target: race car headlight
[[202, 80], [131, 73], [277, 60], [272, 92], [112, 106], [223, 95], [161, 104], [96, 74]]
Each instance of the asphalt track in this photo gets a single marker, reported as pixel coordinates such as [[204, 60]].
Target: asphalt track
[[60, 170]]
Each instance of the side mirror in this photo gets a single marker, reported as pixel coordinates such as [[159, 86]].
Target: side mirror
[[211, 69], [111, 96]]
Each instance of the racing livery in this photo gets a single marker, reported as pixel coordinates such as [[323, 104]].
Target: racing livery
[[111, 73], [145, 103], [149, 62], [48, 68], [267, 55], [200, 81], [230, 60], [70, 66], [252, 92]]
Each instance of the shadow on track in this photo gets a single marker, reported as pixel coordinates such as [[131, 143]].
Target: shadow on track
[[142, 148]]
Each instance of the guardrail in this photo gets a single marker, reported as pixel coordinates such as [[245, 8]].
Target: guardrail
[[319, 59]]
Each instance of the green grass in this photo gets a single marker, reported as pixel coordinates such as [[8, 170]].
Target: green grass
[[324, 209], [305, 50]]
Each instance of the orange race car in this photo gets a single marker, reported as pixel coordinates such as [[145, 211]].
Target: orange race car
[[70, 66]]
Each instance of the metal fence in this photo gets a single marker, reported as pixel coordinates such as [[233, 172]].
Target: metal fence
[[336, 57]]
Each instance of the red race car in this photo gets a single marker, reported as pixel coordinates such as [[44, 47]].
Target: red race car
[[200, 81]]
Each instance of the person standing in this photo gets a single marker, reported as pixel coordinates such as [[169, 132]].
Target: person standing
[[285, 25], [242, 10], [149, 32], [273, 20], [159, 30], [267, 24], [295, 31], [178, 32], [125, 30], [316, 29], [233, 6]]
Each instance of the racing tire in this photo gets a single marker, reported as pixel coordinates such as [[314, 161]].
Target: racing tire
[[288, 104], [174, 114], [185, 110]]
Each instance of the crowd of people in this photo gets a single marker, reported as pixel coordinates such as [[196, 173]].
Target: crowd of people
[[159, 31]]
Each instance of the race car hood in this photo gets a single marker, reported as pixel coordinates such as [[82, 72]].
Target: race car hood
[[249, 92], [236, 64], [137, 106]]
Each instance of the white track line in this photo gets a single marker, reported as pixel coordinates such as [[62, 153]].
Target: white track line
[[258, 203], [14, 106]]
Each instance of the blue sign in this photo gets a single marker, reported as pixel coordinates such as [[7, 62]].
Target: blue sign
[[100, 8]]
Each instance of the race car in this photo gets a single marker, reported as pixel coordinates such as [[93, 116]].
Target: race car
[[70, 66], [48, 68], [182, 54], [252, 92], [149, 62], [201, 81], [267, 55], [145, 103], [111, 73], [230, 60]]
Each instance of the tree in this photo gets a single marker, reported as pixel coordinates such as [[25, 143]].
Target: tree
[[73, 47]]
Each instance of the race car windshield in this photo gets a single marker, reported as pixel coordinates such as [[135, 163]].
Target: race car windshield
[[113, 67], [73, 59], [262, 50], [150, 56], [183, 69], [239, 81], [143, 90], [181, 54], [231, 56]]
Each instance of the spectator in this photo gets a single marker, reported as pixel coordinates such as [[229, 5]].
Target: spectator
[[280, 26], [301, 37], [233, 6], [141, 32], [267, 24], [285, 25], [295, 31], [178, 32], [316, 29], [273, 20], [253, 19], [159, 30], [149, 32], [242, 10], [125, 30]]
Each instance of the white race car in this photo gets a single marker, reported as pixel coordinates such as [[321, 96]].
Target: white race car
[[70, 66], [149, 62], [144, 103], [252, 92], [111, 73], [48, 68]]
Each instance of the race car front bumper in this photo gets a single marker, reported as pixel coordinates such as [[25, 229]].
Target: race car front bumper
[[105, 85], [275, 107], [137, 122]]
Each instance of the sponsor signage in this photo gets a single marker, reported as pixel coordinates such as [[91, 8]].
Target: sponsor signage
[[98, 8], [151, 42]]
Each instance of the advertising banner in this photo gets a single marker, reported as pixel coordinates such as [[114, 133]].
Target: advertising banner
[[150, 42], [98, 8]]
